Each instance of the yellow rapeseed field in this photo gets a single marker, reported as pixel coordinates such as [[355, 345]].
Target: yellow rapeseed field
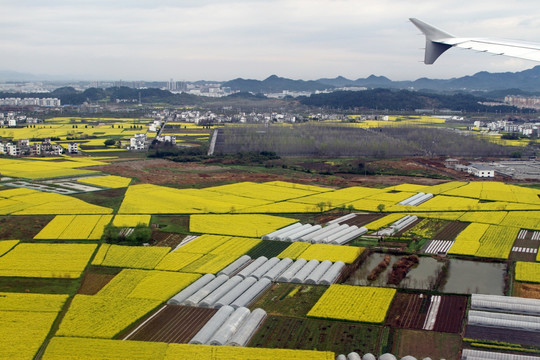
[[33, 202], [321, 252], [354, 303], [46, 260], [110, 181], [131, 220], [25, 321], [101, 316], [238, 225], [136, 257], [147, 284], [75, 227], [294, 250], [528, 272], [71, 348], [468, 241], [7, 245]]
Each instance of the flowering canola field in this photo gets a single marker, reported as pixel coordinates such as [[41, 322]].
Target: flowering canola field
[[354, 303]]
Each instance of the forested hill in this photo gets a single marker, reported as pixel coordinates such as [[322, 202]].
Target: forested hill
[[384, 99]]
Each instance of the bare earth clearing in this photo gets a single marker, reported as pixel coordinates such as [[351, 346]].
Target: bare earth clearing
[[161, 172]]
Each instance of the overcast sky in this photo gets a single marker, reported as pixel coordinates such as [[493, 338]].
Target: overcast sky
[[225, 39]]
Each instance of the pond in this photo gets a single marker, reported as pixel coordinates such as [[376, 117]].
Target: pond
[[474, 277], [421, 276], [464, 276]]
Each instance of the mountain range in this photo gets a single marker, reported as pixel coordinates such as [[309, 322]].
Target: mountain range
[[524, 81], [527, 80]]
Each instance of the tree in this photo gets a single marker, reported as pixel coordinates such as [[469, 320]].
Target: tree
[[381, 207], [109, 142]]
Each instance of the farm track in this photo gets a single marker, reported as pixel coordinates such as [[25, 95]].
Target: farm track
[[175, 324]]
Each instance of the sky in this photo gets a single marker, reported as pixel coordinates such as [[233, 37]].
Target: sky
[[189, 40]]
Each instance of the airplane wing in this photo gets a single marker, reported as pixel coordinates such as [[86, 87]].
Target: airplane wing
[[438, 41]]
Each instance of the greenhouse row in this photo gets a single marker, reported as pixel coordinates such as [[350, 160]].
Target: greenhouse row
[[507, 304], [330, 234], [397, 226], [286, 270], [504, 321], [469, 354], [416, 200], [355, 356], [218, 291], [230, 326]]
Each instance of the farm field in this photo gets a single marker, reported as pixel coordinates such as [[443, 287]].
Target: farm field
[[56, 247], [172, 324], [410, 311], [292, 300], [422, 344], [326, 335]]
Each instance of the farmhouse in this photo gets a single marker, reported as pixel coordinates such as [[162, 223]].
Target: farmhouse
[[481, 170]]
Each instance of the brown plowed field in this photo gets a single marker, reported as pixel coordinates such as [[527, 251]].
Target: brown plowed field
[[408, 311], [450, 231], [164, 172], [92, 283], [526, 290], [363, 219], [451, 313], [421, 344], [175, 324]]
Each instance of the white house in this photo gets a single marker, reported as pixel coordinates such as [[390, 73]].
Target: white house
[[481, 170], [138, 142]]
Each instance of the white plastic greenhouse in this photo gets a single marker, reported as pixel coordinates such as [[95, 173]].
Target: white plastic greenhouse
[[320, 232], [292, 270], [248, 328], [332, 274], [235, 292], [194, 299], [318, 272], [264, 268], [250, 294], [282, 237], [229, 327], [272, 235], [353, 356], [258, 262], [218, 293], [191, 289], [206, 332], [341, 219], [304, 272], [278, 269], [509, 304], [349, 236], [323, 237], [299, 234], [235, 265]]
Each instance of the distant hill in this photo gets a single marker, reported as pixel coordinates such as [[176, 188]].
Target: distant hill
[[274, 84], [527, 80]]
